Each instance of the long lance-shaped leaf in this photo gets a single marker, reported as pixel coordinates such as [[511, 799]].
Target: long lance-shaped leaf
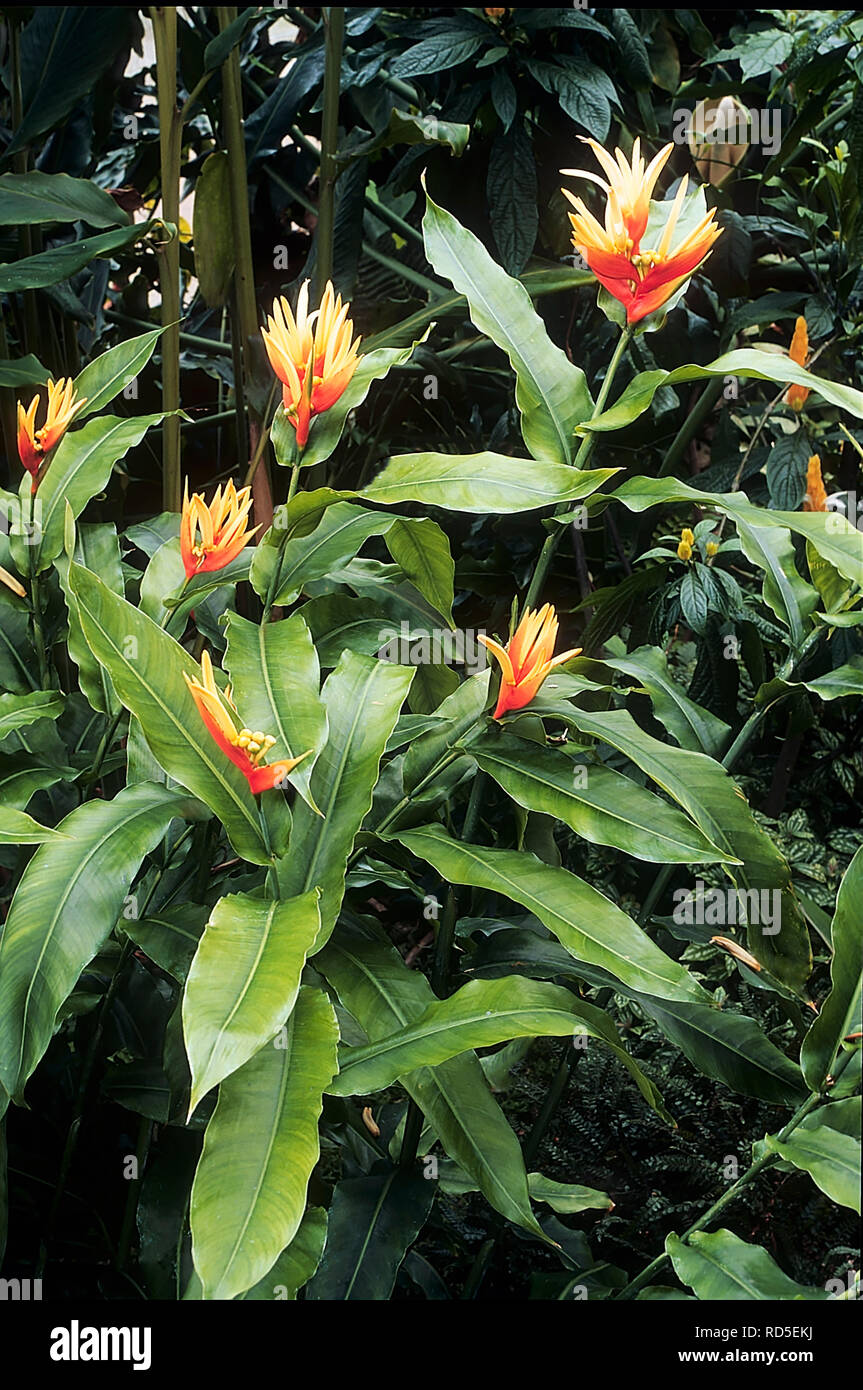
[[482, 1014], [746, 362], [36, 197], [363, 699], [705, 790], [832, 535], [297, 1262], [373, 1222], [243, 982], [67, 902], [375, 985], [551, 393], [601, 805], [792, 599], [97, 548], [841, 1011], [826, 1145], [49, 267], [146, 667], [481, 483], [730, 1047], [719, 1265], [79, 469], [17, 828], [249, 1193], [16, 711], [112, 371], [584, 921], [690, 724], [276, 680]]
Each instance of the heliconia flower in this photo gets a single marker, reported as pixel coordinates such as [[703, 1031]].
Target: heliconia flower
[[816, 493], [527, 659], [642, 279], [796, 396], [246, 748], [211, 537], [313, 355], [34, 445]]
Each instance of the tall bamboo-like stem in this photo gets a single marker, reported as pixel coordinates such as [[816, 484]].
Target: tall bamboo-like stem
[[164, 18], [245, 314], [334, 26], [582, 458], [20, 161]]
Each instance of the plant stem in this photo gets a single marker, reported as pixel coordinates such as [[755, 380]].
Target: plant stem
[[164, 18], [36, 605], [20, 161], [696, 417], [334, 33], [554, 538], [766, 1161]]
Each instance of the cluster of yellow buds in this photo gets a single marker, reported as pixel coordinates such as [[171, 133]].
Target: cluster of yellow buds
[[712, 548], [687, 541], [256, 744]]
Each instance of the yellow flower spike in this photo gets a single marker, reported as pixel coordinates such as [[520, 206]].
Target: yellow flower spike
[[684, 551], [712, 548], [796, 396], [687, 535], [816, 493]]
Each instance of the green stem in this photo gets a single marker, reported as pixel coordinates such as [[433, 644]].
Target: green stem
[[36, 604], [554, 538], [164, 19], [696, 417], [334, 34], [766, 1161]]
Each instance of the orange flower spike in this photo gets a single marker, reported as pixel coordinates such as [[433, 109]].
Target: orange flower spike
[[796, 396], [629, 190], [527, 659], [816, 493], [246, 748], [34, 445], [211, 537], [313, 355]]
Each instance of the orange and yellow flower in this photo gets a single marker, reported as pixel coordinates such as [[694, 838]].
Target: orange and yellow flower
[[211, 537], [527, 659], [313, 355], [34, 445], [642, 279], [816, 493], [796, 396], [246, 748]]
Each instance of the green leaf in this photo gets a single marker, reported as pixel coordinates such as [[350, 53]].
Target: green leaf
[[481, 483], [276, 684], [243, 982], [786, 471], [38, 197], [785, 591], [50, 267], [213, 229], [170, 937], [69, 897], [98, 550], [829, 532], [596, 802], [17, 828], [22, 371], [826, 1145], [363, 699], [551, 392], [297, 1262], [841, 1011], [481, 1014], [705, 790], [80, 468], [745, 362], [567, 1198], [690, 724], [435, 55], [374, 984], [22, 774], [591, 927], [110, 373], [511, 193], [341, 531], [422, 550], [837, 684], [64, 52], [146, 668], [719, 1265], [249, 1193], [338, 623], [16, 711], [373, 1222]]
